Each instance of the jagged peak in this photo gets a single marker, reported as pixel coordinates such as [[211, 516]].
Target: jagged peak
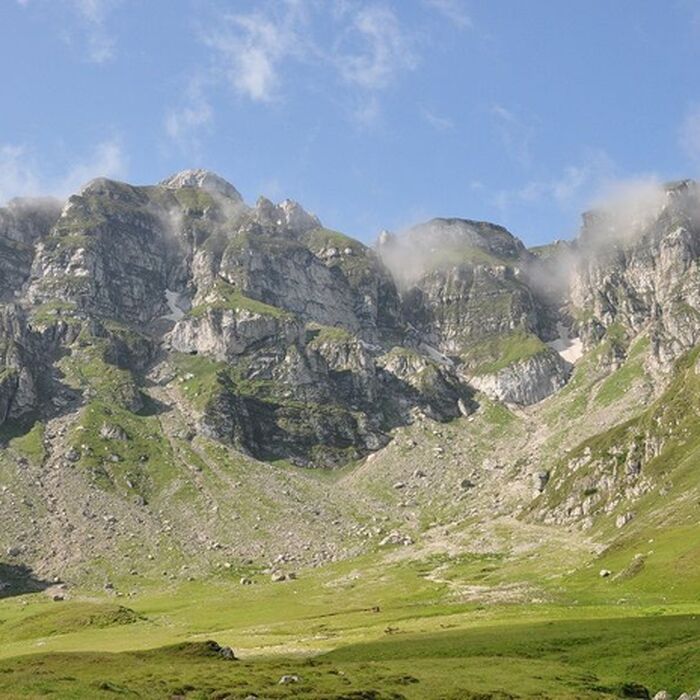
[[203, 179], [288, 214]]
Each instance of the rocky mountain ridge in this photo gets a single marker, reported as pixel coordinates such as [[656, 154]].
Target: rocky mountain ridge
[[145, 328], [306, 316], [302, 317]]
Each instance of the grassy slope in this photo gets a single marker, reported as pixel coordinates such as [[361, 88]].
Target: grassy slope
[[498, 352], [416, 647], [578, 635]]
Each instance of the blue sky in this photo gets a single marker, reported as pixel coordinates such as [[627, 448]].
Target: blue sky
[[373, 114]]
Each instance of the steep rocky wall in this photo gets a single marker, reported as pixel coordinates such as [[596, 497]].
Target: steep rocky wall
[[643, 274]]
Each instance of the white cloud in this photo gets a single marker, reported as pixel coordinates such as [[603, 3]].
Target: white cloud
[[374, 49], [17, 176], [93, 10], [573, 189], [94, 13], [624, 209], [21, 173], [367, 113], [690, 134], [453, 10], [260, 54], [249, 49], [107, 160], [253, 50]]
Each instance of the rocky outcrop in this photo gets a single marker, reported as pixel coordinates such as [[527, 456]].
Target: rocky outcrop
[[326, 398], [22, 223], [468, 284], [460, 306], [202, 180], [19, 364], [27, 219], [287, 216], [420, 382], [227, 333], [15, 264], [526, 381], [321, 353], [641, 273]]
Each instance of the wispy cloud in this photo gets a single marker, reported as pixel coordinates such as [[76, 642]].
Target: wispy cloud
[[453, 10], [367, 112], [367, 47], [438, 122], [374, 48], [106, 160], [17, 176], [574, 182], [515, 133], [94, 14], [624, 210], [249, 50], [575, 187], [21, 173], [260, 54], [184, 124], [92, 17]]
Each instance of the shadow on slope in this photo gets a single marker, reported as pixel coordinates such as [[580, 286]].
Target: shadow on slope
[[18, 579]]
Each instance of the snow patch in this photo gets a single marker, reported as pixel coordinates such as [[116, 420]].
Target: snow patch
[[569, 348]]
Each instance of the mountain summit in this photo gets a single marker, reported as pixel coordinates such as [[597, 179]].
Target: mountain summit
[[204, 180]]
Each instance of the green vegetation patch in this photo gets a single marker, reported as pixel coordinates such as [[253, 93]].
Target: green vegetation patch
[[31, 444], [668, 423], [123, 451], [320, 238], [225, 297], [52, 311], [565, 659], [321, 335], [87, 370], [500, 351], [66, 618]]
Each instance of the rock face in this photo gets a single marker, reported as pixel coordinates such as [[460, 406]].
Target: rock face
[[642, 270], [292, 325], [526, 381], [468, 292], [202, 180], [22, 222], [292, 341], [145, 331], [15, 264], [19, 364]]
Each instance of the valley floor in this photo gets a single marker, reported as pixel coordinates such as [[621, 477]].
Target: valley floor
[[366, 629]]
